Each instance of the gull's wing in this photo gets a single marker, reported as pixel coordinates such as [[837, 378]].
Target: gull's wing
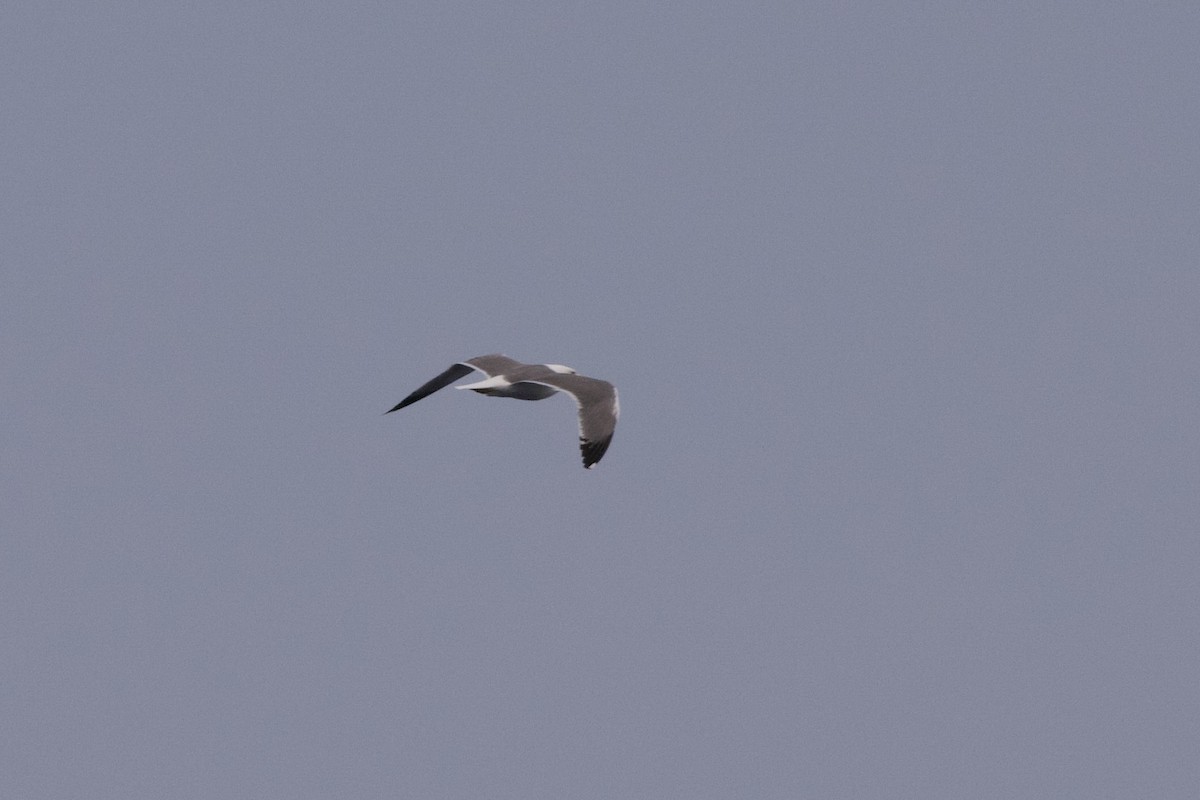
[[598, 411], [494, 364], [445, 379]]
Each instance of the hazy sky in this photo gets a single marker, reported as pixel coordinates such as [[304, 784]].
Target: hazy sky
[[902, 300]]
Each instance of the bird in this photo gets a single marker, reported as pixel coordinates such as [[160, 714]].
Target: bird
[[507, 377]]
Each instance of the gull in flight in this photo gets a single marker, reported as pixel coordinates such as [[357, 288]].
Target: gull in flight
[[597, 399]]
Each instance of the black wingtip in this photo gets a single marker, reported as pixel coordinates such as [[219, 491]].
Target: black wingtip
[[448, 377], [593, 451], [408, 401]]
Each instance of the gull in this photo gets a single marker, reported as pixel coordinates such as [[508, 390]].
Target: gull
[[506, 377]]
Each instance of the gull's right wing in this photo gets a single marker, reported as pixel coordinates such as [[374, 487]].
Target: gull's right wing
[[489, 365], [445, 379]]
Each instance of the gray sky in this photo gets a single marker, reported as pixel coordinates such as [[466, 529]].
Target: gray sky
[[901, 299]]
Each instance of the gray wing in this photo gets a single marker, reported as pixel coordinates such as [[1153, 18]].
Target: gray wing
[[494, 364], [598, 412]]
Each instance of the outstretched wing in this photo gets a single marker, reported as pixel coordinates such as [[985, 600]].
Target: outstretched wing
[[445, 379], [490, 365], [598, 412], [494, 364]]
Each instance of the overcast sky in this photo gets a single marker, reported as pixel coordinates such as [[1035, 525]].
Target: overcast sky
[[902, 300]]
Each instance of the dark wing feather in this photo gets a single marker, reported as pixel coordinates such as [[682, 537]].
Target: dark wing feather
[[445, 379], [598, 410], [490, 365]]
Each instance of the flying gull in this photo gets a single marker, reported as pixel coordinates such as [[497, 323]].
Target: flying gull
[[597, 399]]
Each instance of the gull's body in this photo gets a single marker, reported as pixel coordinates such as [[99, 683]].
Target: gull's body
[[597, 399]]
